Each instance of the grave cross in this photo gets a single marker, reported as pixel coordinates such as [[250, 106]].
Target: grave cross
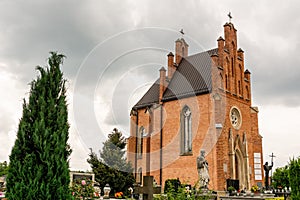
[[147, 189], [272, 156]]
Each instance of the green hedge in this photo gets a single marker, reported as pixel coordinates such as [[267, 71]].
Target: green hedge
[[172, 185]]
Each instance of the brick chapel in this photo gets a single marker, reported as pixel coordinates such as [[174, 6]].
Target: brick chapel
[[201, 102]]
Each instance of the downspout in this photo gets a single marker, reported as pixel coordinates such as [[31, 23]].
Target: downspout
[[161, 142], [148, 144], [136, 144], [162, 87]]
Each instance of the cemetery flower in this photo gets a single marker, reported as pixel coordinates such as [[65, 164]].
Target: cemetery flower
[[119, 195], [82, 189], [254, 188]]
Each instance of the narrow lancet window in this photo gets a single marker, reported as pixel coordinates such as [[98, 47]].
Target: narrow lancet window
[[186, 130]]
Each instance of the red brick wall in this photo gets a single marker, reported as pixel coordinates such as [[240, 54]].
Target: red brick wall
[[207, 111]]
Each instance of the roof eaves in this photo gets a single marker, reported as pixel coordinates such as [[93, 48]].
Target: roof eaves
[[144, 105], [185, 95]]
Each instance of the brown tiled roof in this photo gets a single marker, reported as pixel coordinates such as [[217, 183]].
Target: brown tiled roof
[[150, 97], [192, 77]]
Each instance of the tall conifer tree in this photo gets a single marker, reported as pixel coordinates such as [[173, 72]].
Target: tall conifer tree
[[39, 167]]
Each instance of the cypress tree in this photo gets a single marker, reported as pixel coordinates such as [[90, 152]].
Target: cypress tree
[[39, 167]]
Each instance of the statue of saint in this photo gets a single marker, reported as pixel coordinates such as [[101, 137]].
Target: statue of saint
[[202, 167], [267, 168]]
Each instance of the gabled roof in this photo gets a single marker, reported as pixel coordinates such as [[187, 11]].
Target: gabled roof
[[150, 97], [192, 77]]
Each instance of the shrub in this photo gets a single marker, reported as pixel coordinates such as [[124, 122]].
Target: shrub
[[172, 185], [294, 176]]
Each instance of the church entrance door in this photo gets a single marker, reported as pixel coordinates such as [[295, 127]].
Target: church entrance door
[[240, 169]]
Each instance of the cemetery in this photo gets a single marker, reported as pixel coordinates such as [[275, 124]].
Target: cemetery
[[193, 135]]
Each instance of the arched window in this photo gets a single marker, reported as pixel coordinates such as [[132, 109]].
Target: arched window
[[139, 176], [239, 87], [140, 142], [227, 65], [241, 79], [247, 92], [226, 81], [229, 72], [186, 130], [232, 67]]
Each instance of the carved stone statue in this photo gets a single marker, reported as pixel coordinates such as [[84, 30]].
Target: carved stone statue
[[267, 168], [202, 167]]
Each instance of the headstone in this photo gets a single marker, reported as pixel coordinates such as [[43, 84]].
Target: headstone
[[81, 176], [234, 183], [147, 189]]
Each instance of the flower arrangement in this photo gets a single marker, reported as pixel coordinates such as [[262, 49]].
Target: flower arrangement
[[119, 195], [254, 188], [82, 189]]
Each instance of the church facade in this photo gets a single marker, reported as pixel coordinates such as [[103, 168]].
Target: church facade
[[201, 102]]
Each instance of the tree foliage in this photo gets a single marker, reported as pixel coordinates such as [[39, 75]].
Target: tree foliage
[[280, 178], [39, 167], [3, 168], [112, 166], [294, 176]]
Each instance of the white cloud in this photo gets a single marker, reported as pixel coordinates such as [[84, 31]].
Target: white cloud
[[11, 109], [280, 128]]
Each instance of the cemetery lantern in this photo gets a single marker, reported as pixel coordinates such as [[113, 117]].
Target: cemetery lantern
[[106, 191]]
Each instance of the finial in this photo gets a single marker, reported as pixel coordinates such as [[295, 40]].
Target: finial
[[181, 31], [230, 17]]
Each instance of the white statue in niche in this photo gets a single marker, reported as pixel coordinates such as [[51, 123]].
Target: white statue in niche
[[202, 166]]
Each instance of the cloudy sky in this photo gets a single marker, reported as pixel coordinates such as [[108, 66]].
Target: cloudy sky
[[115, 48]]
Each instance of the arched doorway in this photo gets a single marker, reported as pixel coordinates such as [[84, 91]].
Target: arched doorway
[[237, 165], [239, 161], [240, 169]]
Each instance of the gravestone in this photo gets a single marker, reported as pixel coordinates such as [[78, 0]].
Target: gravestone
[[234, 183], [81, 176], [147, 189]]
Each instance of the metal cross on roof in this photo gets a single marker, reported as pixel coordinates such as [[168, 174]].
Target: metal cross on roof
[[181, 31], [230, 17]]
